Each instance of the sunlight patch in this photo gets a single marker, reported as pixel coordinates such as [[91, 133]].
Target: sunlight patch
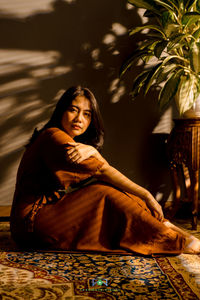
[[119, 29], [109, 39]]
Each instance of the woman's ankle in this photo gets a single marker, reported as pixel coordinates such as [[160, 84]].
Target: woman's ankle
[[192, 245]]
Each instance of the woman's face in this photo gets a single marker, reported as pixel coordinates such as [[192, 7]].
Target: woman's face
[[77, 117]]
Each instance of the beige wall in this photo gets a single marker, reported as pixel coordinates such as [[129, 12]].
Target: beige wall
[[47, 46]]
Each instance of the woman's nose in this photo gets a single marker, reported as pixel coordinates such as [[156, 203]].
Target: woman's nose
[[79, 117]]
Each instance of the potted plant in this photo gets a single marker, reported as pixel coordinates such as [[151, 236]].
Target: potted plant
[[170, 52]]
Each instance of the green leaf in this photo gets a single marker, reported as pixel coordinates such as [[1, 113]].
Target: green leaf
[[198, 5], [186, 94], [195, 57], [165, 5], [172, 57], [154, 35], [169, 90], [164, 72], [149, 14], [177, 41], [196, 34], [159, 48], [138, 83], [190, 18], [151, 76], [167, 18], [171, 29], [188, 3], [153, 27], [174, 4], [136, 56], [147, 4], [149, 44], [146, 58]]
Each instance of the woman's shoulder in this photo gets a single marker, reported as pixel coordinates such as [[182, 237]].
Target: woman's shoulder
[[56, 135]]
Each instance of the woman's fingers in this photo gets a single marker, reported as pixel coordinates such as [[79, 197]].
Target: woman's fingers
[[70, 151], [75, 155], [70, 146], [159, 212], [156, 210], [72, 154], [73, 151], [77, 152], [72, 143], [161, 216], [79, 160]]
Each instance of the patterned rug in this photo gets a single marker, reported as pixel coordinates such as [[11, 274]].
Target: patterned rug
[[84, 276]]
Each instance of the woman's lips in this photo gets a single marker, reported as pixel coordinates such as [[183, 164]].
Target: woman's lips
[[76, 127]]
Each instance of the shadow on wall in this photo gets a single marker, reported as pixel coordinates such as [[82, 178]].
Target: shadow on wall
[[76, 42]]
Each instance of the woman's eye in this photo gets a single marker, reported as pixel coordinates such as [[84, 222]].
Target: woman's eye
[[87, 114], [72, 109]]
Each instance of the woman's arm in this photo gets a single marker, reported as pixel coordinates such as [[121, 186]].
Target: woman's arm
[[77, 152], [109, 174]]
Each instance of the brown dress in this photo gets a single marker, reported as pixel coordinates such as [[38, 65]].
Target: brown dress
[[94, 217]]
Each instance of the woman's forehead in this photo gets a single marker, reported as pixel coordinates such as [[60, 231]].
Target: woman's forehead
[[82, 102]]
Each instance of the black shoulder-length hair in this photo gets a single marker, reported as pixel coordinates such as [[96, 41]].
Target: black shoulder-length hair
[[94, 135]]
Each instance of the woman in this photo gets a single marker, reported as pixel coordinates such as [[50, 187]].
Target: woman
[[68, 196]]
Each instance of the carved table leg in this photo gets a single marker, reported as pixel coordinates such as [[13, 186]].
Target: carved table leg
[[176, 192], [194, 175], [187, 183]]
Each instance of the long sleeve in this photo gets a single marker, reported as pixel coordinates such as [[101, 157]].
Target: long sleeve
[[55, 157]]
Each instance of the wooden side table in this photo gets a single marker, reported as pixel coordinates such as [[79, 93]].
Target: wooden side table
[[183, 148]]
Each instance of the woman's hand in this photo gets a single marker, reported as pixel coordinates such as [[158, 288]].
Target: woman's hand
[[77, 152], [155, 208], [111, 175]]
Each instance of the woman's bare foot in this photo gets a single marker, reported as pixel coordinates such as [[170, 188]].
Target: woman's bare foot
[[192, 245], [177, 229]]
